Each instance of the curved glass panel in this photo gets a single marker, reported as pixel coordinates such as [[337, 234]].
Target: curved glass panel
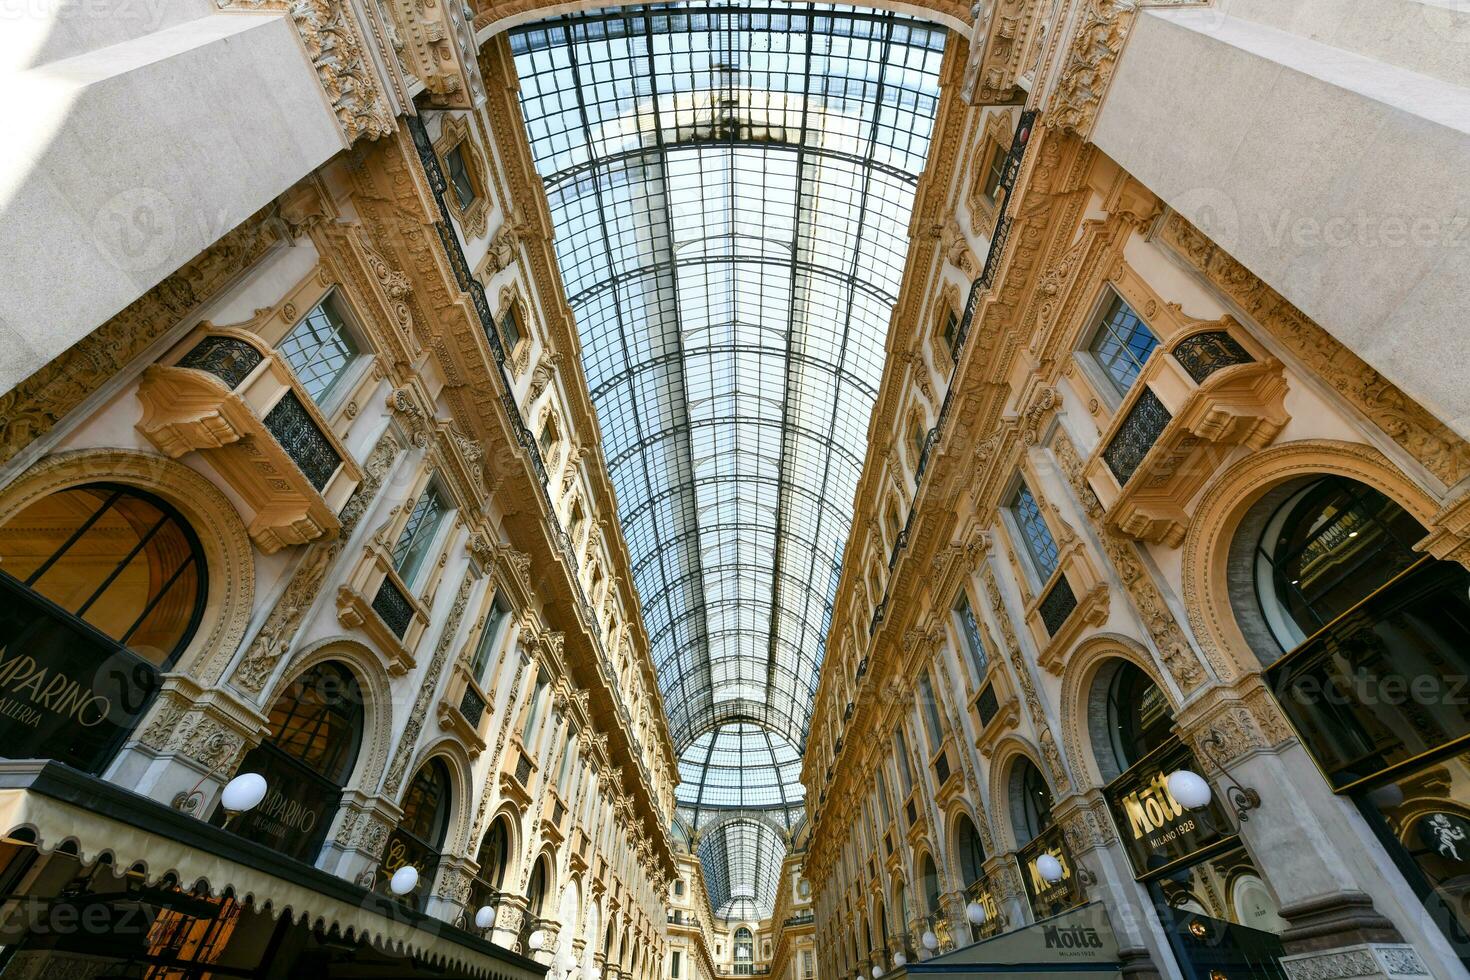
[[741, 859], [731, 188]]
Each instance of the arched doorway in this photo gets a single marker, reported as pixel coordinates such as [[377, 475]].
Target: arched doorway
[[315, 731], [1188, 861], [970, 853], [419, 835], [102, 587], [929, 882], [536, 889], [1365, 644], [493, 859], [1037, 834], [745, 952]]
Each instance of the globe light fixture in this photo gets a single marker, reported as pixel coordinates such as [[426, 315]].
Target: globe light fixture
[[404, 880], [243, 793], [877, 972], [1050, 869], [930, 941], [1190, 789], [899, 959], [484, 917], [596, 973], [537, 939], [976, 913]]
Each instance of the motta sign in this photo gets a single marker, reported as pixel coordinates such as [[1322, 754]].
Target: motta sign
[[1155, 829], [1078, 940], [1048, 898]]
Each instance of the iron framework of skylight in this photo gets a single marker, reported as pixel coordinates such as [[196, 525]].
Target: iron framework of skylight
[[731, 187]]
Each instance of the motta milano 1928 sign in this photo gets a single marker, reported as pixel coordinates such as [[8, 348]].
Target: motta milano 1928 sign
[[1155, 829]]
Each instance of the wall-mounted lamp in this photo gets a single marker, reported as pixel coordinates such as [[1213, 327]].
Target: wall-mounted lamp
[[242, 793], [404, 880], [930, 941], [1052, 872], [485, 917], [537, 939], [1193, 791], [976, 913], [899, 959]]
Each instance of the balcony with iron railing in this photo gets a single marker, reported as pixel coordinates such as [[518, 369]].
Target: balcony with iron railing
[[1202, 395], [227, 394]]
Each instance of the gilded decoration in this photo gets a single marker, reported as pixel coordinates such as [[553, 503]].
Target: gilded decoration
[[37, 405], [346, 71], [1088, 66], [1427, 440]]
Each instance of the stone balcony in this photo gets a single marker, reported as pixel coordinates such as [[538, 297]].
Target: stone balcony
[[228, 395], [1208, 393]]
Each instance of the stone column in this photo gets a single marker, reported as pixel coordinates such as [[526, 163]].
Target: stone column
[[1301, 838], [451, 892], [354, 849], [510, 915], [1097, 852]]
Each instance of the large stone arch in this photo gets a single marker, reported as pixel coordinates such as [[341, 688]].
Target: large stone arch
[[513, 842], [508, 14], [228, 553], [372, 679], [952, 815], [1091, 660], [1228, 498]]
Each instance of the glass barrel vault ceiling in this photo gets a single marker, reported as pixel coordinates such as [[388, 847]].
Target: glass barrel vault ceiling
[[731, 187]]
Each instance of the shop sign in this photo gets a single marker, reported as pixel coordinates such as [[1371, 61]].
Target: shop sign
[[294, 816], [67, 692], [1077, 941], [1049, 899], [1155, 829]]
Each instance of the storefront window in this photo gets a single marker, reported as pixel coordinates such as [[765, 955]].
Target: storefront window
[[493, 857], [101, 588], [1221, 919], [1324, 550], [1423, 819], [1139, 720], [1038, 835], [420, 832], [316, 727]]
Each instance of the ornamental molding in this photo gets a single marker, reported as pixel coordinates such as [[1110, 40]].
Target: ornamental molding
[[1431, 443], [1092, 56], [345, 69]]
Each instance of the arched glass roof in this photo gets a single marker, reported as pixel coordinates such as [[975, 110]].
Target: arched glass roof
[[739, 766], [731, 188], [741, 859]]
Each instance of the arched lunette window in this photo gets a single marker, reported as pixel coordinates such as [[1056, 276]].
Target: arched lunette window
[[493, 859], [102, 587], [744, 952], [1034, 802], [971, 851], [315, 731], [419, 835], [1325, 549], [1139, 719]]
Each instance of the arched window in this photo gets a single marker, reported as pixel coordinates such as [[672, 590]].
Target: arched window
[[901, 902], [315, 730], [536, 890], [420, 831], [929, 877], [971, 852], [1139, 719], [493, 857], [1032, 801], [1325, 549], [91, 576], [744, 952]]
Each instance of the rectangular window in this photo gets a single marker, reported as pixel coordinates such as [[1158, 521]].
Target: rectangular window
[[459, 176], [529, 731], [1122, 344], [995, 172], [489, 636], [417, 536], [1041, 547], [319, 349], [674, 964], [971, 632], [931, 712], [566, 761], [902, 746], [951, 330], [510, 330]]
